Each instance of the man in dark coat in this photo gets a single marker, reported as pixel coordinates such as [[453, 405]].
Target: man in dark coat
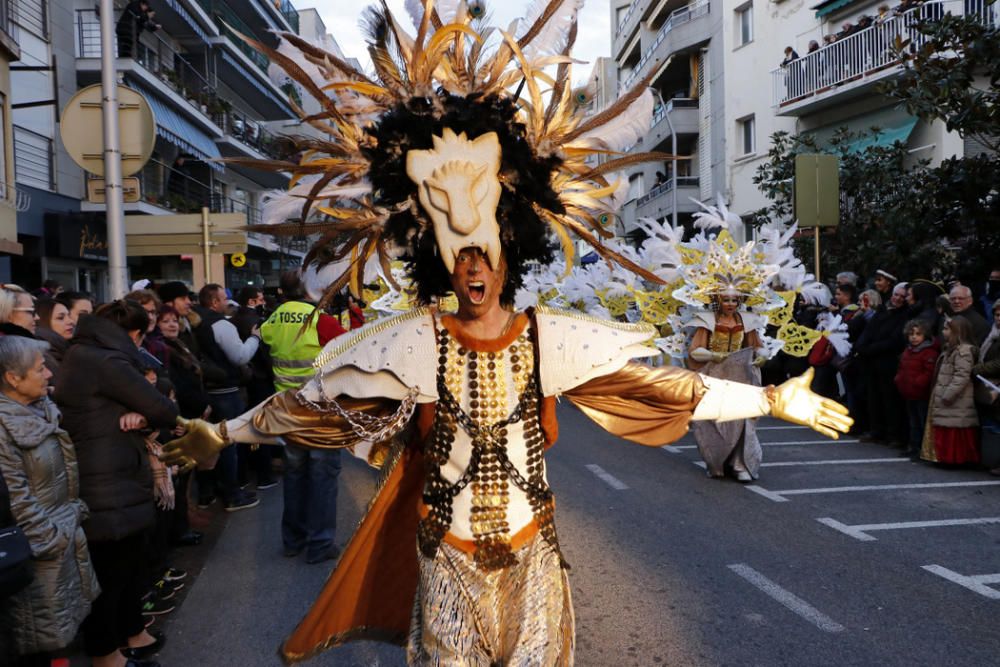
[[136, 17], [962, 304]]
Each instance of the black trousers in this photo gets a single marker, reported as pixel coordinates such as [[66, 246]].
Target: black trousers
[[116, 614]]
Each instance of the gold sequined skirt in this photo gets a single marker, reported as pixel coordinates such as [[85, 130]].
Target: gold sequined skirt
[[518, 616]]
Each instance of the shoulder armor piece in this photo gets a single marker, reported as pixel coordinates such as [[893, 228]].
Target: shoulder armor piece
[[575, 348]]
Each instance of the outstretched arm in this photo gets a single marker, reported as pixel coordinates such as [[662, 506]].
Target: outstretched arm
[[653, 406]]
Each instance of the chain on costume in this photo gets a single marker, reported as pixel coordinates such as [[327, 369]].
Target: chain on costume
[[491, 425]]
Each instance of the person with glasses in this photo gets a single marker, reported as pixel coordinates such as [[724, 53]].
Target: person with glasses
[[17, 312]]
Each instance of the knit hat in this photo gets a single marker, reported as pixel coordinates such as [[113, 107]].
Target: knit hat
[[175, 289]]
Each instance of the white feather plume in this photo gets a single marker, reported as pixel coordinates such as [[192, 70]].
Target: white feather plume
[[283, 205], [815, 293], [624, 130], [446, 10], [834, 330], [316, 279], [712, 217], [551, 39]]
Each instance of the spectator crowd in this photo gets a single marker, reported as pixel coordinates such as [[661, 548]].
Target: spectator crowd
[[89, 516], [923, 368]]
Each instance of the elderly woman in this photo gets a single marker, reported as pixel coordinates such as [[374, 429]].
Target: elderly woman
[[38, 462], [56, 328], [17, 312], [106, 400]]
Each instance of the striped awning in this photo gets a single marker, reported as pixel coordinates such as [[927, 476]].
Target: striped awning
[[256, 83], [190, 20], [182, 133], [830, 6]]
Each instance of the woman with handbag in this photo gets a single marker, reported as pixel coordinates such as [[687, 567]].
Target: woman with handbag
[[38, 462]]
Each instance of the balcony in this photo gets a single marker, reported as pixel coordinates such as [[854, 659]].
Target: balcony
[[153, 62], [659, 202], [657, 52], [34, 163], [679, 112], [853, 66], [164, 190], [620, 30], [9, 32]]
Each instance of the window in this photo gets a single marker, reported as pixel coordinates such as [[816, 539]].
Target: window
[[635, 186], [745, 128], [744, 24]]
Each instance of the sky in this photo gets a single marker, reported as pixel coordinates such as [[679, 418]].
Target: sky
[[593, 39]]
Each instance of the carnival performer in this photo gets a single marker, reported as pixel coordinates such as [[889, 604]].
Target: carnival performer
[[724, 345], [464, 183]]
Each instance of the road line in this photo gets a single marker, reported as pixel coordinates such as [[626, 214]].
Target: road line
[[607, 477], [783, 464], [787, 598], [860, 532], [780, 428], [760, 490], [775, 494], [783, 444], [976, 583], [671, 449]]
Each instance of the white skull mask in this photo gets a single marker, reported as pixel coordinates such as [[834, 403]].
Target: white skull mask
[[459, 189]]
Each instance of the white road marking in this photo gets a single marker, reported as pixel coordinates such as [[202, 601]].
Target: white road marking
[[787, 598], [860, 532], [607, 477], [780, 428], [779, 495], [827, 462], [977, 582], [782, 444], [671, 449]]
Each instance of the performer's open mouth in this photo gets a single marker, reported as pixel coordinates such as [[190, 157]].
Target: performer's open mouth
[[477, 291]]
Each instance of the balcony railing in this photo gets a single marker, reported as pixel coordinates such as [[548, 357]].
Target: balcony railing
[[661, 110], [667, 186], [32, 16], [290, 13], [33, 159], [223, 204], [161, 60], [864, 55], [227, 20], [171, 188], [249, 132], [681, 16], [628, 15]]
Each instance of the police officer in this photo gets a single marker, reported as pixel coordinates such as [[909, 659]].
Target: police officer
[[309, 520]]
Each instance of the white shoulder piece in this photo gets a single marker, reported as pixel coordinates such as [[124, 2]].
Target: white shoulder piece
[[388, 358], [574, 348], [753, 321]]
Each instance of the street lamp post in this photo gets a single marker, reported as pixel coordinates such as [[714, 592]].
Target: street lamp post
[[114, 198]]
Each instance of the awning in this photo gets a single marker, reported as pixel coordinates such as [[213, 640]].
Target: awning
[[830, 6], [190, 20], [181, 133], [256, 83], [894, 124], [887, 136]]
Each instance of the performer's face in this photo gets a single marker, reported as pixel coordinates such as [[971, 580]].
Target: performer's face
[[728, 304], [477, 284]]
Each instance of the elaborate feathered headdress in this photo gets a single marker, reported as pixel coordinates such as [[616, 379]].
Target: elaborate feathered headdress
[[456, 73]]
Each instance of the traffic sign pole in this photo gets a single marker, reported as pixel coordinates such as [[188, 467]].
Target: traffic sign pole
[[117, 268]]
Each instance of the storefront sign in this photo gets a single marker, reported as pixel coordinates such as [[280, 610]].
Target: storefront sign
[[76, 236]]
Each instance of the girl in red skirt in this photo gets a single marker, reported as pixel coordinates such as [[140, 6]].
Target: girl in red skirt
[[954, 436]]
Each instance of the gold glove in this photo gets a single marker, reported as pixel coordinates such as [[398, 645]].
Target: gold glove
[[794, 402], [199, 446]]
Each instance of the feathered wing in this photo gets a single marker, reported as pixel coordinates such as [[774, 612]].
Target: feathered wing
[[553, 33]]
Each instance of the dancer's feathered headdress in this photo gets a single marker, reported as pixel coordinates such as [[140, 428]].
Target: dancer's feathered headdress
[[453, 72]]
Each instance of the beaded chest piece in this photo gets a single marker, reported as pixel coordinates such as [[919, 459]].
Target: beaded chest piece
[[487, 414]]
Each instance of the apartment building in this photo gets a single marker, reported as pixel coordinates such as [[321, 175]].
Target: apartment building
[[834, 86], [212, 97], [10, 51], [681, 43]]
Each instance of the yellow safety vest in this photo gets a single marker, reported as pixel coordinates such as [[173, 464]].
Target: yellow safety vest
[[292, 354]]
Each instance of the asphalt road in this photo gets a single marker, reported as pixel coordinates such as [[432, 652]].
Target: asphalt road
[[672, 568]]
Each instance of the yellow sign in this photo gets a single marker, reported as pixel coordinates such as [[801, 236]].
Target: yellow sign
[[238, 260]]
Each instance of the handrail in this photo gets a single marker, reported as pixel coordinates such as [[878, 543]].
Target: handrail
[[628, 15], [661, 111], [227, 20], [678, 17], [667, 186], [863, 54], [287, 9], [248, 131]]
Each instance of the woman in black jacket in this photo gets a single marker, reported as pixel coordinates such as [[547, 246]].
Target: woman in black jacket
[[105, 400]]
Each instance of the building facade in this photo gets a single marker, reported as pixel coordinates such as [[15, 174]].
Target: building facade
[[212, 97]]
